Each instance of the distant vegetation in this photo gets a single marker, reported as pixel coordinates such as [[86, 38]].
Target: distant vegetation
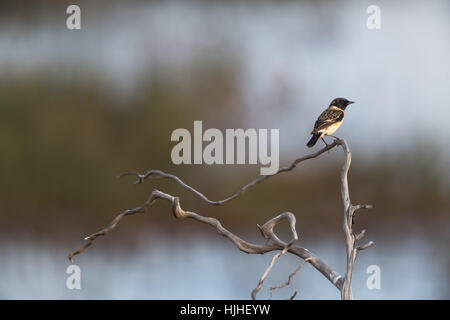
[[65, 140]]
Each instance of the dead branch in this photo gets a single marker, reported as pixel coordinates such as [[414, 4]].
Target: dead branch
[[152, 173], [272, 242], [349, 211], [275, 257], [288, 282]]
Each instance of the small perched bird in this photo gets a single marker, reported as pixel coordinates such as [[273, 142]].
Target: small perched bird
[[329, 120]]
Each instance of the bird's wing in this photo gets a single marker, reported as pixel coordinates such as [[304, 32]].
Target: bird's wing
[[327, 118]]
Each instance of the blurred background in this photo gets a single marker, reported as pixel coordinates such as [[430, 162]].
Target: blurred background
[[80, 107]]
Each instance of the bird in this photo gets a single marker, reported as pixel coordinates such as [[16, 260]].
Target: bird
[[329, 120]]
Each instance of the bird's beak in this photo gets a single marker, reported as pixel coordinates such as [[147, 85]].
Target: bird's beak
[[350, 102]]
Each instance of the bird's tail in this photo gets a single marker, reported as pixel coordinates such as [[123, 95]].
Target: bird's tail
[[313, 140]]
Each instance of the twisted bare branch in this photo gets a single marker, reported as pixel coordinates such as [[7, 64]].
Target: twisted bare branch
[[272, 242], [152, 173]]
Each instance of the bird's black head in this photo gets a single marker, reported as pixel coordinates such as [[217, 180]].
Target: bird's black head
[[341, 103]]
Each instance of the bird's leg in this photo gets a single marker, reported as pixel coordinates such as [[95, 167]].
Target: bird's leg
[[325, 143]]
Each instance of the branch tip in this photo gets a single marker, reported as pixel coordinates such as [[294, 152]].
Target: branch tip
[[365, 246]]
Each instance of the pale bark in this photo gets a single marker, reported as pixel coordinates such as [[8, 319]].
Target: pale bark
[[271, 240]]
